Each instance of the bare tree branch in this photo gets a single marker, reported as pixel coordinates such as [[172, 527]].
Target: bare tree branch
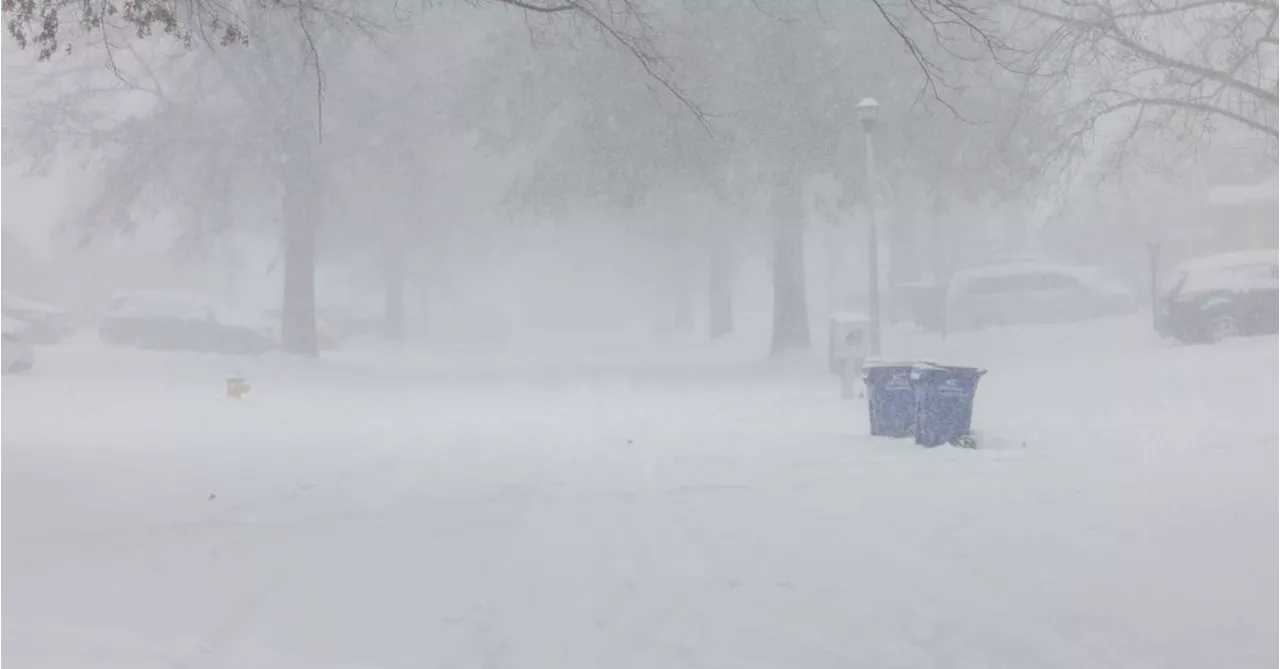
[[1171, 70]]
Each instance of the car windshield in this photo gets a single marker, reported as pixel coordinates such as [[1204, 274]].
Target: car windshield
[[1172, 282], [640, 334]]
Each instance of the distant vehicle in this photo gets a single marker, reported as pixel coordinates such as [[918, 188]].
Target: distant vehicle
[[1221, 296], [349, 321], [1027, 293], [1010, 259], [19, 354], [180, 322], [325, 338], [45, 323]]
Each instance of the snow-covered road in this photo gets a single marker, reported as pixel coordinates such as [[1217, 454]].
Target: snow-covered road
[[591, 515]]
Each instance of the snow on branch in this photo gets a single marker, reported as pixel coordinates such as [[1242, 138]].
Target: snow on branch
[[1172, 67]]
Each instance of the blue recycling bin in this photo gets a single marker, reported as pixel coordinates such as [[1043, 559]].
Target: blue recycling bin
[[944, 402], [891, 398]]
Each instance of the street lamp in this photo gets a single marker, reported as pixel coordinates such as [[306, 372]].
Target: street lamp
[[867, 109], [1153, 266]]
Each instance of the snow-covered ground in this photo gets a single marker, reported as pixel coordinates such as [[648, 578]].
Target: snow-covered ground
[[684, 510]]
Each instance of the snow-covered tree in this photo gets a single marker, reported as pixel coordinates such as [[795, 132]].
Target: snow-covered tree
[[208, 135], [1154, 77], [778, 84]]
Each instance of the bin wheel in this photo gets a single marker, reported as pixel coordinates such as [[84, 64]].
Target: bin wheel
[[965, 441]]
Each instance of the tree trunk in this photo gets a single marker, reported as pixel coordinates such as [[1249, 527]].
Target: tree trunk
[[790, 310], [298, 329], [719, 292], [395, 267]]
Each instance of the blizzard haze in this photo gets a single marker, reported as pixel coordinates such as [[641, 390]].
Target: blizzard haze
[[516, 334]]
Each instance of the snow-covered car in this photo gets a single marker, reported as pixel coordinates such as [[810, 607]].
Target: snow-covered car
[[1026, 293], [19, 354], [353, 320], [181, 322], [325, 339], [1221, 296], [45, 323]]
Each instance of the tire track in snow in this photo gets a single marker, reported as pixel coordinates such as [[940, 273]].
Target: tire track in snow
[[424, 497], [689, 607], [373, 486]]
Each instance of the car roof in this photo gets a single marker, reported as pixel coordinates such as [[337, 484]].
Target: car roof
[[1015, 268], [1089, 275], [12, 301], [1010, 259], [13, 325], [1233, 259], [158, 294]]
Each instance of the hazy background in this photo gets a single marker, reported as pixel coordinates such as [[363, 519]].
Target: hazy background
[[541, 189]]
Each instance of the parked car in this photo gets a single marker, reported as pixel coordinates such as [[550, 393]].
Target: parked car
[[19, 354], [325, 338], [180, 322], [1025, 293], [1221, 296], [45, 323], [353, 320]]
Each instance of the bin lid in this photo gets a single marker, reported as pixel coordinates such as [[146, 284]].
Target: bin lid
[[927, 365], [878, 362]]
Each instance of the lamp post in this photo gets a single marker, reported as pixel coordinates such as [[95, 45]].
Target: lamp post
[[867, 109], [1153, 267]]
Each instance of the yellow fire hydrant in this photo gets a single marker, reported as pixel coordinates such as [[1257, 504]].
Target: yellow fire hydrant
[[237, 387]]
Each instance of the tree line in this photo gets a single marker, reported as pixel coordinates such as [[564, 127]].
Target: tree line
[[295, 115]]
